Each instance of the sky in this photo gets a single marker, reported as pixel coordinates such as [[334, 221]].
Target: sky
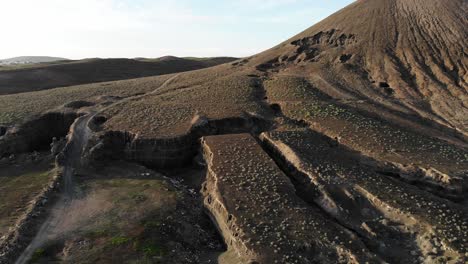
[[77, 29]]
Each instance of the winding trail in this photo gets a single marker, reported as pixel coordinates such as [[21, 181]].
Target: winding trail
[[78, 137]]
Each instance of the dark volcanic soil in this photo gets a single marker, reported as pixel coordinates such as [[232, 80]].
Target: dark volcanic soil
[[345, 144]]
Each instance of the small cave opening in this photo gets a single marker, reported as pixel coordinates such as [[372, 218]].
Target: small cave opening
[[276, 109], [386, 88], [384, 85], [345, 57], [99, 120]]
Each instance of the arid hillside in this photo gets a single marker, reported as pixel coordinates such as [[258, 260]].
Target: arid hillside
[[409, 56], [345, 144], [37, 77]]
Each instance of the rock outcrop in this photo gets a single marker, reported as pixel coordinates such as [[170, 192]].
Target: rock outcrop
[[399, 222], [259, 215], [36, 134]]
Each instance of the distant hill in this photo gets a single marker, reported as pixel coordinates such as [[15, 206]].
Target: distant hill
[[30, 60], [18, 79]]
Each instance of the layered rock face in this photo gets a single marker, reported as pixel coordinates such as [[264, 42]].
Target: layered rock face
[[259, 215], [166, 152], [397, 221], [36, 134], [356, 149]]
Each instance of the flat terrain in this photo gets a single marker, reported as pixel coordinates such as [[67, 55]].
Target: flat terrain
[[130, 214], [344, 144]]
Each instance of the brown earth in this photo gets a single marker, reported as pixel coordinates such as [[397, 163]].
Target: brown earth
[[345, 144], [41, 77]]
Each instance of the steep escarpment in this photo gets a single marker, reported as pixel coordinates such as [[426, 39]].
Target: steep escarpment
[[36, 134], [168, 152], [354, 147], [378, 207], [259, 215], [174, 117]]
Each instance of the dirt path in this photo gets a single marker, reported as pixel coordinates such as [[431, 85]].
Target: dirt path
[[78, 137]]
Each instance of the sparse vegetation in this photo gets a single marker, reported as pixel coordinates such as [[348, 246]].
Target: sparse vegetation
[[369, 135], [18, 107], [119, 241], [17, 188], [38, 254], [128, 228], [344, 144], [152, 250], [169, 112]]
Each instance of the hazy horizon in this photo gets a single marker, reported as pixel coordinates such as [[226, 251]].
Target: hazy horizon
[[143, 28]]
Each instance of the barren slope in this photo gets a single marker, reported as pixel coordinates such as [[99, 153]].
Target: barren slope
[[407, 55], [354, 146]]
